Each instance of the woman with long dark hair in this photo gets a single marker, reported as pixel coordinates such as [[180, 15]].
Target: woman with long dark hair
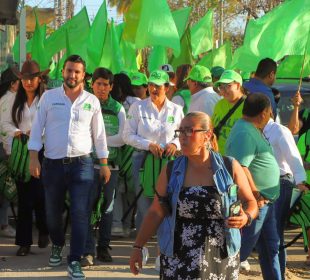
[[17, 122], [8, 87]]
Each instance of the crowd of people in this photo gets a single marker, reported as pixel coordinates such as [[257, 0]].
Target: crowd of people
[[215, 157]]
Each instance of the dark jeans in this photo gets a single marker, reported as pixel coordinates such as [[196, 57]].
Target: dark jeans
[[76, 178], [282, 209], [30, 198], [263, 235], [105, 223]]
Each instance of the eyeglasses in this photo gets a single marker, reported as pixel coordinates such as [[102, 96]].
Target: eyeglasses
[[225, 86], [188, 132]]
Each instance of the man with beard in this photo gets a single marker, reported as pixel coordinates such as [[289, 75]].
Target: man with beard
[[71, 121]]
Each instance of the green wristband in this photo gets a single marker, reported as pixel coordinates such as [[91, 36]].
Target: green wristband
[[103, 164]]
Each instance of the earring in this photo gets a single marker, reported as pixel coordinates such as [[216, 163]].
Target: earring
[[208, 146]]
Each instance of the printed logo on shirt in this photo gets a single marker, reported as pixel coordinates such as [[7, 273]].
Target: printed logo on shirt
[[129, 117], [170, 119], [87, 107]]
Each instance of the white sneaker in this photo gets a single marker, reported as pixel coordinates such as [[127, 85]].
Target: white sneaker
[[117, 232], [245, 266], [145, 255], [8, 231], [157, 263]]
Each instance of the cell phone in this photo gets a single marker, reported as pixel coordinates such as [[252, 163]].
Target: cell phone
[[235, 208]]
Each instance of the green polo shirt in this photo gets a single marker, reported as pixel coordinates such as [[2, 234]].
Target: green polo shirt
[[248, 145]]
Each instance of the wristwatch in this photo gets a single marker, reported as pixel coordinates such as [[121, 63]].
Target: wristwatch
[[250, 219]]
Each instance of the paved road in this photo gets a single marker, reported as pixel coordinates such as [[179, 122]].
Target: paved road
[[34, 266]]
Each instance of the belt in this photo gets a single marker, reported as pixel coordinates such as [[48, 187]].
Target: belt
[[68, 160]]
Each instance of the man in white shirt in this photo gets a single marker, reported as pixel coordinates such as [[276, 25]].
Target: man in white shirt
[[203, 97], [71, 121], [291, 172]]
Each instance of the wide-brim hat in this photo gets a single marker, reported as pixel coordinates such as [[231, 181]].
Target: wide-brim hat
[[8, 76], [30, 70]]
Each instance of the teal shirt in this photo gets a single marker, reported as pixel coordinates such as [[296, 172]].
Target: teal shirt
[[248, 145]]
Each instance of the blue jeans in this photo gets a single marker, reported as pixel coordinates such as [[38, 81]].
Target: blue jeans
[[105, 224], [76, 178], [263, 235], [282, 208], [143, 202]]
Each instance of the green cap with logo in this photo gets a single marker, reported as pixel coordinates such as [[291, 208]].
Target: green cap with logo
[[159, 77], [229, 76], [138, 79], [200, 74]]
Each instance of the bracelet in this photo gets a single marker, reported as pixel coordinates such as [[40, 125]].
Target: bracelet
[[103, 164], [137, 247]]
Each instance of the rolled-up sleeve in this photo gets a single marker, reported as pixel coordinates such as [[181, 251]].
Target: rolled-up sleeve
[[98, 133]]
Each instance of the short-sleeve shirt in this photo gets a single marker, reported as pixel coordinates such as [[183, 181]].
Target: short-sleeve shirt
[[248, 145], [220, 110]]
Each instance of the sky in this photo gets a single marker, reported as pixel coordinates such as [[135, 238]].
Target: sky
[[91, 5]]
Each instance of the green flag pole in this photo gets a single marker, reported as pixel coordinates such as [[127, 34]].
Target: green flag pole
[[303, 61]]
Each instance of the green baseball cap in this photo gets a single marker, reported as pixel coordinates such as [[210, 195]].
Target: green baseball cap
[[159, 77], [138, 79], [199, 73], [229, 76], [217, 71]]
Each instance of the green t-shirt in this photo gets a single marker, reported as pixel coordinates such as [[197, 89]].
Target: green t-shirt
[[248, 145], [220, 110]]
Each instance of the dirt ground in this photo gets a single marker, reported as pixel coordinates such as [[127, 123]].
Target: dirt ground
[[34, 266]]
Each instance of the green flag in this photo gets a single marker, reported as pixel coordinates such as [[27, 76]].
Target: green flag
[[180, 18], [96, 37], [185, 56], [157, 57], [292, 65], [131, 18], [15, 49], [38, 51], [117, 63], [78, 28], [156, 26], [218, 57], [106, 56], [279, 33], [202, 34]]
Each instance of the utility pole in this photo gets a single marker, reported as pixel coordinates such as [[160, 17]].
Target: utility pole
[[69, 9], [222, 22]]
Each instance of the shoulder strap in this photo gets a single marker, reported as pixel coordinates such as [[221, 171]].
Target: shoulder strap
[[218, 128]]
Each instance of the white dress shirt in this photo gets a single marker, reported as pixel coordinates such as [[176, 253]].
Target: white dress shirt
[[145, 124], [285, 150], [24, 126], [6, 103], [204, 101], [70, 129]]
